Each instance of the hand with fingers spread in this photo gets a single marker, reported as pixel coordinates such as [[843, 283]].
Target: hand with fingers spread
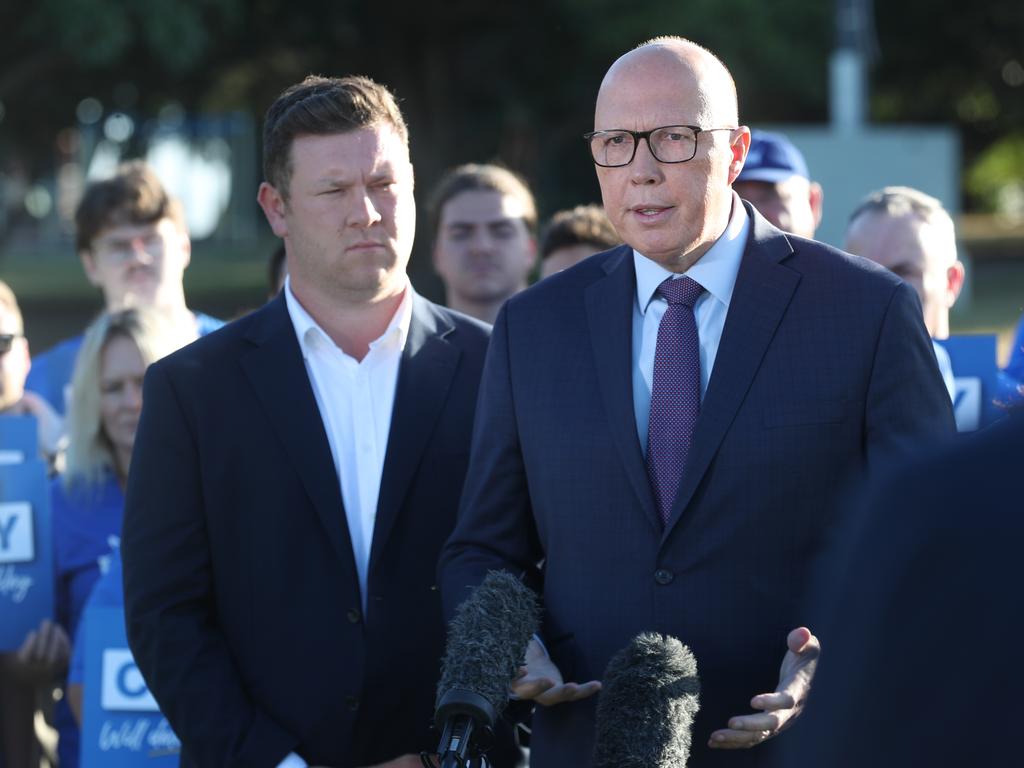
[[779, 709], [541, 681]]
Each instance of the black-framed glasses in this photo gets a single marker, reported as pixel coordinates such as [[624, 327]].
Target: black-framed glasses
[[7, 341], [668, 144]]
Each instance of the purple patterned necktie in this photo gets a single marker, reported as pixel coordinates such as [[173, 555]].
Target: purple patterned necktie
[[675, 393]]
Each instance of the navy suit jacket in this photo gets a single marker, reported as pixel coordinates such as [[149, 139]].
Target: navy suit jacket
[[242, 601], [824, 368]]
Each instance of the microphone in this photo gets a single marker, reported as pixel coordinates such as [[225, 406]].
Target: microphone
[[647, 705], [487, 642]]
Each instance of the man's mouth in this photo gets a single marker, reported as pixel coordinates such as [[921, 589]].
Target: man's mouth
[[650, 211]]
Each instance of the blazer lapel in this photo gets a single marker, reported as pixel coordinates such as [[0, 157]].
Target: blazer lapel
[[764, 288], [277, 372], [609, 304], [425, 375]]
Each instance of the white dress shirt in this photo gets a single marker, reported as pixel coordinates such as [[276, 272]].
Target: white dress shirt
[[716, 270], [355, 398]]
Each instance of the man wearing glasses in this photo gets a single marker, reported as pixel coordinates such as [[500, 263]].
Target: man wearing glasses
[[669, 425], [133, 242]]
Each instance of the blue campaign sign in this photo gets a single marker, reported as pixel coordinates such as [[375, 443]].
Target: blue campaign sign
[[19, 439], [975, 370], [121, 724], [26, 551]]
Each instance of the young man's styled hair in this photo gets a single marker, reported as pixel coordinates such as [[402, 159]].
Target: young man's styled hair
[[582, 225], [133, 195], [320, 106]]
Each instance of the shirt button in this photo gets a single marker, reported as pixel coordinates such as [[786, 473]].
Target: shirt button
[[354, 617], [663, 576]]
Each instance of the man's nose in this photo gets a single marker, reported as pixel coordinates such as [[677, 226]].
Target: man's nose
[[140, 249], [481, 240], [645, 168], [364, 213]]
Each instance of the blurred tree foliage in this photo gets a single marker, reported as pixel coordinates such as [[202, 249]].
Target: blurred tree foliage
[[481, 81]]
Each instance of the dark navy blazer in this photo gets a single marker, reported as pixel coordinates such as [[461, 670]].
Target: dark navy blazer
[[824, 368], [921, 611], [242, 600]]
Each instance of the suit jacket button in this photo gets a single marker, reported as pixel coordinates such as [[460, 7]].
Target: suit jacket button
[[354, 616], [352, 703], [663, 576]]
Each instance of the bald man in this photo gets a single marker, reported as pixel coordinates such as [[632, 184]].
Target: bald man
[[912, 235], [668, 426]]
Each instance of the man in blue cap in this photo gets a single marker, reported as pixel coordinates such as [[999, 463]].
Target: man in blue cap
[[775, 180]]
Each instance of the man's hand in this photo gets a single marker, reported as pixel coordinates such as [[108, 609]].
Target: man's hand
[[44, 652], [541, 681], [778, 709]]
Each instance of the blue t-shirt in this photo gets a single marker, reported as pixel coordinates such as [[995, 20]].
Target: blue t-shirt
[[51, 371], [86, 534], [108, 593]]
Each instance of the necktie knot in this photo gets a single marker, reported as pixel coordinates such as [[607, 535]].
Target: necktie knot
[[682, 290]]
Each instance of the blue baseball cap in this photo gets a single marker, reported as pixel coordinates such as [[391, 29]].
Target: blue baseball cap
[[772, 158]]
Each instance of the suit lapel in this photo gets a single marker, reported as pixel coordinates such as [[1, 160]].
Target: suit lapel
[[425, 375], [609, 304], [764, 288], [277, 373]]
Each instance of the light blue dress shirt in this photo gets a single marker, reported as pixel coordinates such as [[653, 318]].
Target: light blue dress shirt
[[716, 270]]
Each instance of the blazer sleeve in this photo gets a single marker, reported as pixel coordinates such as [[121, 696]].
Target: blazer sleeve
[[907, 405], [170, 609], [495, 529]]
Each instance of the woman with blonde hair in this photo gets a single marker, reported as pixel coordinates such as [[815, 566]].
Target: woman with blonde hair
[[87, 501]]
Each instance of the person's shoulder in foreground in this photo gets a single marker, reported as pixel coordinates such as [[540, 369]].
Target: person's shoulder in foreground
[[919, 595]]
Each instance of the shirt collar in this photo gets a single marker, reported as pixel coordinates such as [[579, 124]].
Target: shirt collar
[[716, 270], [310, 334]]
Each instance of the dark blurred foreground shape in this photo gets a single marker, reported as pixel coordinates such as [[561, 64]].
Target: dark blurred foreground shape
[[922, 618]]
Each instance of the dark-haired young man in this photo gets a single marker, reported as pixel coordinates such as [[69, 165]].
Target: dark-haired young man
[[484, 246], [573, 235], [296, 474], [133, 242]]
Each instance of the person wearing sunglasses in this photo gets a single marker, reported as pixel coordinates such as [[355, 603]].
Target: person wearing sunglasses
[[16, 399]]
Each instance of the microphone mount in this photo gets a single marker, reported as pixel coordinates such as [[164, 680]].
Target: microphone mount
[[467, 721]]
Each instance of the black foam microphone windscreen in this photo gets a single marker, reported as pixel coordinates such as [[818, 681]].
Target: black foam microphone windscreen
[[649, 697], [487, 642]]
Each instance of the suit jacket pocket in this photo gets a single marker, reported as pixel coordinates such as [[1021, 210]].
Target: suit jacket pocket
[[807, 412]]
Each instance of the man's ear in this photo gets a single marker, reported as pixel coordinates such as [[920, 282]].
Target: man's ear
[[532, 246], [274, 207], [739, 145], [954, 282], [90, 269], [816, 199], [186, 247]]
